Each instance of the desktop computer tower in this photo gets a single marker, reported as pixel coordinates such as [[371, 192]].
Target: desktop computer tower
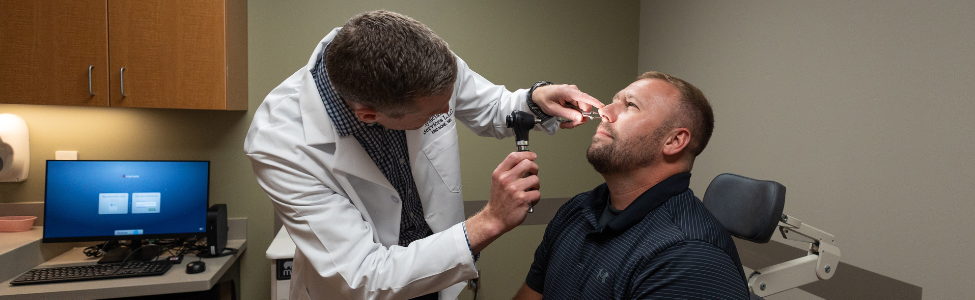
[[216, 230]]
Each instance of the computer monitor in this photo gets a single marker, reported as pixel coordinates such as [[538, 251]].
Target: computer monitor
[[87, 200]]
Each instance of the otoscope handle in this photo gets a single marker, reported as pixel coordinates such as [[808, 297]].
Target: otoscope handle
[[522, 122]]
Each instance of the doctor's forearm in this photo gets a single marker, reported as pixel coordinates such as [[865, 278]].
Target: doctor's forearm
[[482, 230]]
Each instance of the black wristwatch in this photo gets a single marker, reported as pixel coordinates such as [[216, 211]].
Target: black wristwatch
[[534, 107]]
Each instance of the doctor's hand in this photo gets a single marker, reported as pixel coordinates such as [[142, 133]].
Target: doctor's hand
[[511, 195], [563, 100]]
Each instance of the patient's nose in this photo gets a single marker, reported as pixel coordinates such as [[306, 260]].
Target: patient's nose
[[609, 112]]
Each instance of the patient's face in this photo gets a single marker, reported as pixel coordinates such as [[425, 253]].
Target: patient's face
[[633, 127]]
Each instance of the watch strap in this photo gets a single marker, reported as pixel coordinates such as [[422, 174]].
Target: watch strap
[[536, 110]]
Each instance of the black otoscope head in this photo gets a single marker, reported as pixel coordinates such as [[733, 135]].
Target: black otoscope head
[[521, 122]]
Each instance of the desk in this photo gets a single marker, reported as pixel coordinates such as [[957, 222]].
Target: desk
[[219, 269], [281, 251]]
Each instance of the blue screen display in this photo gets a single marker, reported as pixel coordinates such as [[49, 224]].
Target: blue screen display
[[98, 200]]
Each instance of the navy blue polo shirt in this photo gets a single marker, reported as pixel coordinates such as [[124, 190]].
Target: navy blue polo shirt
[[664, 245]]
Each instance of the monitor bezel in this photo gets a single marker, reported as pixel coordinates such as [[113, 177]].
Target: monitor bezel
[[45, 239]]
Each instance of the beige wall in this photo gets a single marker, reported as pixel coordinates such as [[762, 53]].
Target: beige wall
[[862, 109], [515, 43]]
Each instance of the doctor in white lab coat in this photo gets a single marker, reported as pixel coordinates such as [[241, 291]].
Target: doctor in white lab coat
[[344, 215]]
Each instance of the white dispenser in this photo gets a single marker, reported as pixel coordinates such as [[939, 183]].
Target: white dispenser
[[14, 149]]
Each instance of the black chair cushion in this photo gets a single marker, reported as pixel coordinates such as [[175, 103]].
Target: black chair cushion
[[750, 209]]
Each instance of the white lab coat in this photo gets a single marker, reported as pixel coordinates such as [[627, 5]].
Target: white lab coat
[[342, 212]]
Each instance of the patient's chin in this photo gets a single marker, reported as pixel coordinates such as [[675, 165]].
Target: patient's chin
[[609, 158], [600, 157]]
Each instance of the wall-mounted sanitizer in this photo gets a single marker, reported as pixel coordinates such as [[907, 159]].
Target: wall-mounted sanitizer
[[14, 149]]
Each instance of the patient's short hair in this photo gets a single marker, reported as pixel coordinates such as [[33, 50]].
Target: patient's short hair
[[385, 60], [694, 112]]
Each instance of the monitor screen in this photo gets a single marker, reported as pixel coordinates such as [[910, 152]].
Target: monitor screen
[[125, 200]]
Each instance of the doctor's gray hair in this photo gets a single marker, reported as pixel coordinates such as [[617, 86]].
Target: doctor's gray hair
[[385, 60]]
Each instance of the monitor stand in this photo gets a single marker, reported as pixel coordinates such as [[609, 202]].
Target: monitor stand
[[124, 253]]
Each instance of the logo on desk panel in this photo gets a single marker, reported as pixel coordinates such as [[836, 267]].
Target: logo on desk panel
[[284, 269]]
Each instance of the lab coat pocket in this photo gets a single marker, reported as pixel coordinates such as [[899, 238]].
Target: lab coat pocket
[[444, 154]]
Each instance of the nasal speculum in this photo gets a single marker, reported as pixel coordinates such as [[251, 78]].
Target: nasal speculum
[[585, 115]]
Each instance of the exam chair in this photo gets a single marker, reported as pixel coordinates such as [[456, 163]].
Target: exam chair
[[751, 210]]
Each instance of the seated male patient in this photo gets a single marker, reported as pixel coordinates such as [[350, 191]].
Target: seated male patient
[[642, 234]]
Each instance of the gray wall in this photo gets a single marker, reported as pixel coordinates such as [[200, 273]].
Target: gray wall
[[515, 43], [863, 109]]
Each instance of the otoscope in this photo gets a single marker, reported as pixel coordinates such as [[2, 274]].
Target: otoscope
[[521, 122]]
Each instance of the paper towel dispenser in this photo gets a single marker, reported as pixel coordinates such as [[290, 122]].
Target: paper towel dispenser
[[14, 149]]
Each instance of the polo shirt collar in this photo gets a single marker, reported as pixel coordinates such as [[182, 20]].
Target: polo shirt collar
[[643, 205]]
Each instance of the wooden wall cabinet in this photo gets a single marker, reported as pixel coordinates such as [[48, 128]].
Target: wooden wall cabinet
[[189, 54]]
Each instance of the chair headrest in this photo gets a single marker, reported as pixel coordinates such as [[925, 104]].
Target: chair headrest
[[750, 209]]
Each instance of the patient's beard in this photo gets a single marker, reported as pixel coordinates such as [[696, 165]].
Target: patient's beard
[[623, 156]]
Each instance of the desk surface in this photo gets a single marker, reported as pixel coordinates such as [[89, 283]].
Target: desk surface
[[14, 240], [21, 251], [174, 281]]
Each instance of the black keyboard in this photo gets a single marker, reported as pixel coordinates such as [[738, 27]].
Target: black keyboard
[[94, 272]]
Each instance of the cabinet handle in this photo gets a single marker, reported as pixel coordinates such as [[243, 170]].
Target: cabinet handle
[[89, 81], [121, 80]]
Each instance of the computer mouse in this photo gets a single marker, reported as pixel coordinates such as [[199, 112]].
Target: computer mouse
[[196, 267]]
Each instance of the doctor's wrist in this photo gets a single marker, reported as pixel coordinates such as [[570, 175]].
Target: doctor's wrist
[[482, 229], [533, 106]]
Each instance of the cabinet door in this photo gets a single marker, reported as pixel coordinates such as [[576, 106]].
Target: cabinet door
[[46, 48], [172, 52]]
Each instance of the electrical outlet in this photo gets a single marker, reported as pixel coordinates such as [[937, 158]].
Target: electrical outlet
[[66, 155]]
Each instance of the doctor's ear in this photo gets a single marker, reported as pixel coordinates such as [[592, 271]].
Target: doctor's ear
[[365, 114]]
